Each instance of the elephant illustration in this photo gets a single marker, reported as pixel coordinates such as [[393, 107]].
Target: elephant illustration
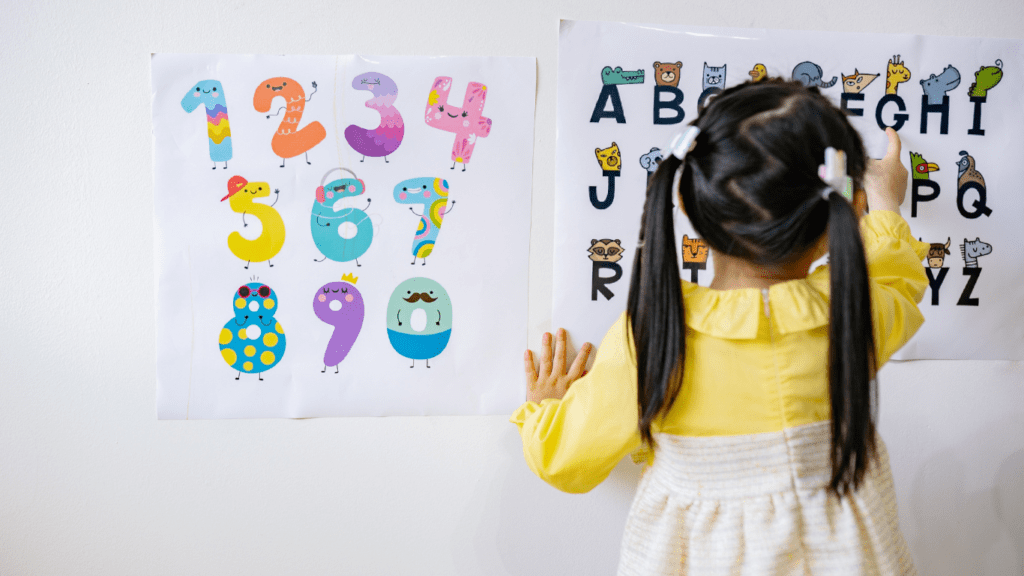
[[809, 74], [651, 160]]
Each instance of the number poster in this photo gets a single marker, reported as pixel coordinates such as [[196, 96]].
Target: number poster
[[341, 236], [625, 90]]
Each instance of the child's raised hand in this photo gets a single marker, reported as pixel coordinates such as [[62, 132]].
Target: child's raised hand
[[553, 380], [885, 180]]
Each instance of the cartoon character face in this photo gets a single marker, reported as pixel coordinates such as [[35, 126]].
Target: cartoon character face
[[651, 160], [694, 250], [341, 188], [419, 294], [963, 163], [424, 190], [975, 248], [609, 158], [944, 82], [605, 250], [250, 192], [445, 116], [255, 300], [896, 73], [375, 82], [758, 73], [667, 74], [937, 254], [856, 82], [336, 301], [209, 93], [714, 76]]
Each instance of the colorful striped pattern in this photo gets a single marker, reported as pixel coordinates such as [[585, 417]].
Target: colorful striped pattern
[[217, 126]]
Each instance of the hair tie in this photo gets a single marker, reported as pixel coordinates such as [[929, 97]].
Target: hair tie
[[684, 142], [833, 173]]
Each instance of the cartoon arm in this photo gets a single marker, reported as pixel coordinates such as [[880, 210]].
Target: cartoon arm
[[368, 200], [278, 111], [244, 225], [310, 97], [438, 317], [318, 220], [399, 316], [277, 196], [448, 209], [414, 212]]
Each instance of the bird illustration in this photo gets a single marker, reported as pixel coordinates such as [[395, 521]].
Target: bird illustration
[[758, 73], [921, 167], [966, 172]]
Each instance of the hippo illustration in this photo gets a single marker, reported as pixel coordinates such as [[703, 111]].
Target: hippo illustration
[[935, 87], [809, 74]]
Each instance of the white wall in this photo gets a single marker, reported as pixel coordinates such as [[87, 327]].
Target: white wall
[[92, 483]]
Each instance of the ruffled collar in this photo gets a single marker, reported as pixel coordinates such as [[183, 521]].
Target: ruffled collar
[[794, 305]]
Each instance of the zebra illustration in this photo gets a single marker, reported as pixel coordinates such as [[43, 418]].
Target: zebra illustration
[[972, 249]]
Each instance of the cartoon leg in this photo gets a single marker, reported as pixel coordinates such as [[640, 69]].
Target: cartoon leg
[[260, 374], [307, 159], [413, 364], [271, 264], [214, 165], [247, 264], [357, 262], [239, 375], [463, 166], [386, 160], [337, 367], [413, 260], [453, 165], [225, 165], [324, 370], [282, 162], [364, 159], [428, 362]]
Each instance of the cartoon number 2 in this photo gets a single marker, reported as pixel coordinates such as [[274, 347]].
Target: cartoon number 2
[[289, 141], [467, 123], [210, 93]]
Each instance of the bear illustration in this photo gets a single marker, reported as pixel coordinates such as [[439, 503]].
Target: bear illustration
[[667, 74]]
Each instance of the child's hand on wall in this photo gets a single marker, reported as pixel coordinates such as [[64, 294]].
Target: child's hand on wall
[[885, 180], [553, 380]]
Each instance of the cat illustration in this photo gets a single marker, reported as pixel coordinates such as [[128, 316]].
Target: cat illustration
[[857, 82], [667, 74], [714, 77], [605, 250], [895, 74], [609, 158], [694, 250]]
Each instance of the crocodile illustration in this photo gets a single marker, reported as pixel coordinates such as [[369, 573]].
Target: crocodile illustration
[[620, 76]]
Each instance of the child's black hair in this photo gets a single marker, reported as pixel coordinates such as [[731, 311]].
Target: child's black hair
[[750, 187]]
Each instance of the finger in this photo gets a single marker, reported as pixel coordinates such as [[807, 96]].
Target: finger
[[531, 370], [895, 146], [576, 370], [558, 369], [545, 355]]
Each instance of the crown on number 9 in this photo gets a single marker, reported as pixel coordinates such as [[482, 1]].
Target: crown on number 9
[[348, 277]]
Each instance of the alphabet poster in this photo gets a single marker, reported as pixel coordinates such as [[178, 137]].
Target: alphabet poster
[[624, 90], [341, 236]]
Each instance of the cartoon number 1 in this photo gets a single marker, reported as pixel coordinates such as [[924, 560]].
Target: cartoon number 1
[[467, 123]]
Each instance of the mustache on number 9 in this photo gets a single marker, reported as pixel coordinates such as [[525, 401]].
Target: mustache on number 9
[[417, 296]]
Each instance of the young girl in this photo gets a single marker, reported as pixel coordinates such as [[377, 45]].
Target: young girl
[[756, 394]]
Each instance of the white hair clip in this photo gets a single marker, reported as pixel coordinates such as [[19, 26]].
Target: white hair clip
[[683, 142], [833, 173]]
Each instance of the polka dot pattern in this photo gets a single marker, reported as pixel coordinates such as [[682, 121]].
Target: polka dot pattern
[[247, 342]]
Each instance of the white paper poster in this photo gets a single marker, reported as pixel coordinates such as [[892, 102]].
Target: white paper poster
[[625, 89], [302, 265]]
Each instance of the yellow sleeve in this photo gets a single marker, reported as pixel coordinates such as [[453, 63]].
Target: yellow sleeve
[[897, 277], [574, 443]]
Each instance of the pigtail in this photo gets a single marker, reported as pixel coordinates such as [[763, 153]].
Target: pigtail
[[655, 303], [851, 353]]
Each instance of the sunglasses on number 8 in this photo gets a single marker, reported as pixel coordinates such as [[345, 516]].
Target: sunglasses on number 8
[[262, 292]]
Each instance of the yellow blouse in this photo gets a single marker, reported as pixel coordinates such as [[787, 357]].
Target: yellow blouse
[[745, 372]]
